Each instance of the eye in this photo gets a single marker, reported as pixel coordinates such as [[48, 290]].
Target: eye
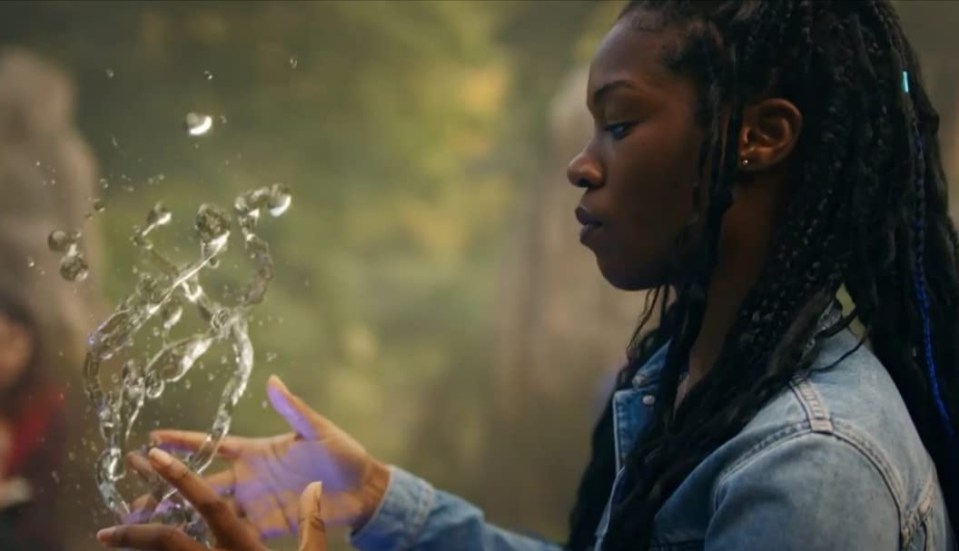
[[619, 130]]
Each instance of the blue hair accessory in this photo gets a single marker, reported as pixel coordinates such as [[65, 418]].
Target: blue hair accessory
[[919, 279]]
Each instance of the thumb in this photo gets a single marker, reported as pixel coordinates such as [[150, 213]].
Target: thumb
[[312, 528]]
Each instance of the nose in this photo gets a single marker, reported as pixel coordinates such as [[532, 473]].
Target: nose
[[584, 171]]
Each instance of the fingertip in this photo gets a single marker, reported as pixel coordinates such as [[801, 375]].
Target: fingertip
[[106, 535], [160, 458], [274, 381], [159, 437], [310, 499]]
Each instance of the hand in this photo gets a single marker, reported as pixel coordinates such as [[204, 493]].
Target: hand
[[267, 475], [230, 532]]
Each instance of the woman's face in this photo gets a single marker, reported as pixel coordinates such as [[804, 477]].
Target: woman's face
[[639, 168], [16, 347]]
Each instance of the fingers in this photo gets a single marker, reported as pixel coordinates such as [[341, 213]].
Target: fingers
[[191, 441], [226, 526], [141, 465], [312, 529], [223, 483], [149, 537], [140, 510], [301, 417]]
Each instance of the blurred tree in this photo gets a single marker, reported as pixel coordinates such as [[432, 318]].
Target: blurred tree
[[406, 131]]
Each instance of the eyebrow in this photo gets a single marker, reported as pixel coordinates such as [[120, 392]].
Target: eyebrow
[[610, 86]]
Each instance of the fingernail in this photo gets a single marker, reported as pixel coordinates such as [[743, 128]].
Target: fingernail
[[160, 458], [275, 381], [106, 534]]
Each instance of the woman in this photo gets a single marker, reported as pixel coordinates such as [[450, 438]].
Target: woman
[[752, 161], [32, 430]]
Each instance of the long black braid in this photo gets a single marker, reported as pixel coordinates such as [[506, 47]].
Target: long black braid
[[867, 211]]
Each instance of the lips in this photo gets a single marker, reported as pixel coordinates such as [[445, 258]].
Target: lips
[[590, 223]]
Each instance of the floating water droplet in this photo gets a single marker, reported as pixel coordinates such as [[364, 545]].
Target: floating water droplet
[[263, 404], [159, 215], [294, 61], [60, 241], [223, 119], [154, 387], [279, 200], [197, 124], [171, 315], [187, 384], [104, 183], [55, 476], [99, 205], [213, 227], [270, 356], [113, 140], [31, 262], [74, 268], [208, 75], [109, 73]]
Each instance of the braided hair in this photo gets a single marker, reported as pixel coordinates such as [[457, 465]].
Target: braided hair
[[868, 212]]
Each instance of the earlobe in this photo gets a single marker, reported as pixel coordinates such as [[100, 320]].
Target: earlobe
[[769, 134]]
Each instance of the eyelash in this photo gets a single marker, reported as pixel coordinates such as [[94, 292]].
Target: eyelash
[[619, 130]]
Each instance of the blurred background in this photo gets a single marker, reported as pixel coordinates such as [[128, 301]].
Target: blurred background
[[431, 296]]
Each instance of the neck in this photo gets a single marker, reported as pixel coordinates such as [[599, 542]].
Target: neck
[[727, 290], [743, 249]]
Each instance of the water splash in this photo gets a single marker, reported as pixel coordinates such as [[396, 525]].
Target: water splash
[[164, 295]]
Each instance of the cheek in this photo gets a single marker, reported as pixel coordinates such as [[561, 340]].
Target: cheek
[[656, 186]]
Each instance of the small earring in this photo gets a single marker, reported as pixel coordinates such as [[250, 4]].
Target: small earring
[[745, 162]]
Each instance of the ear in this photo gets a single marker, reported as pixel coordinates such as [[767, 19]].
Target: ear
[[769, 133]]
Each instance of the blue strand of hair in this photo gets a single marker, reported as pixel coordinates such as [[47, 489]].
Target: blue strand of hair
[[919, 279]]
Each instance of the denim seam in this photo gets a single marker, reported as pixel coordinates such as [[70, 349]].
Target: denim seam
[[924, 511], [812, 404], [616, 424], [846, 432], [423, 505], [783, 435], [849, 433]]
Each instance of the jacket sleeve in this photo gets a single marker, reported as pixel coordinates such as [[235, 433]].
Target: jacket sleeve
[[414, 516], [812, 491]]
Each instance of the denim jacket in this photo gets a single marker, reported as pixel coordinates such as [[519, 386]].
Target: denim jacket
[[832, 463]]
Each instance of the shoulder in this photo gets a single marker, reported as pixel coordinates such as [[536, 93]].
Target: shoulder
[[841, 428]]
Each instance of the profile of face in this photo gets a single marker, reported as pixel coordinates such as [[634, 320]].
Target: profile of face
[[638, 169], [16, 349]]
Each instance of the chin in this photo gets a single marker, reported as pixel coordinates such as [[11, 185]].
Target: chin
[[630, 278]]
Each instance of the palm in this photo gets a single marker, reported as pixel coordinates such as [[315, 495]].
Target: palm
[[267, 475], [271, 473]]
